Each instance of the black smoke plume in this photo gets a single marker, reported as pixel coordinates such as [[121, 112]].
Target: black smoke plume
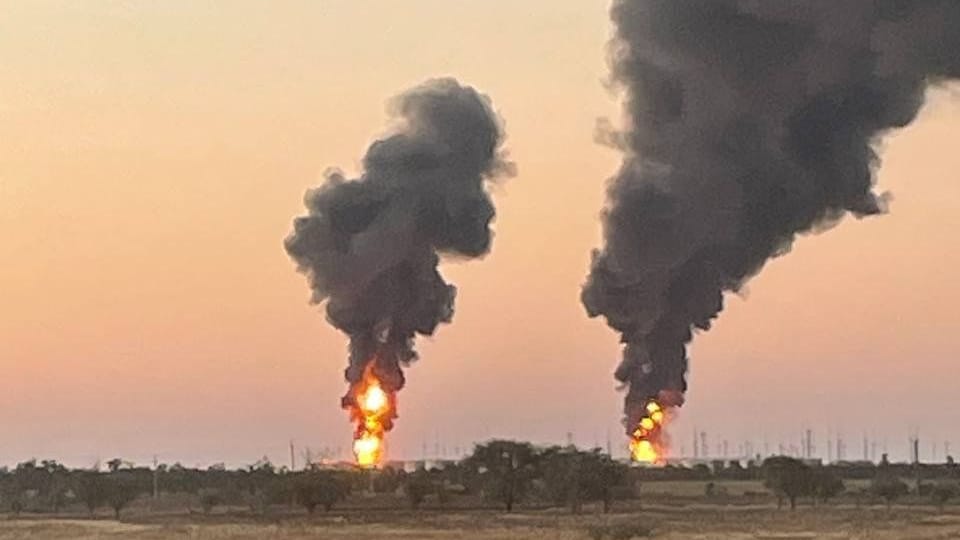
[[748, 123], [370, 246]]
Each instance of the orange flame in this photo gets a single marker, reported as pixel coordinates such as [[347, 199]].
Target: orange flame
[[646, 439], [372, 408]]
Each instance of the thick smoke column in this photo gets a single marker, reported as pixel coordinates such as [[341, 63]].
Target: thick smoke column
[[749, 122], [370, 246]]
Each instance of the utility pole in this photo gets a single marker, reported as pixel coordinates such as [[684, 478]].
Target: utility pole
[[916, 461], [293, 459], [696, 444], [156, 479]]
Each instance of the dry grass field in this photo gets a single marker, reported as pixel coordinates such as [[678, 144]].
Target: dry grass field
[[705, 522]]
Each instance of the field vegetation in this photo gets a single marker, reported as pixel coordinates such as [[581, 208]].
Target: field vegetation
[[504, 490]]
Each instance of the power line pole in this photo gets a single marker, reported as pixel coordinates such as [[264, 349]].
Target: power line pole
[[156, 479]]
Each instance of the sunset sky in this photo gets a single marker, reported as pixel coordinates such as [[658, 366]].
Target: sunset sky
[[153, 155]]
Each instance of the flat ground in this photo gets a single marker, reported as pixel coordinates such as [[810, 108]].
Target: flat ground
[[706, 522]]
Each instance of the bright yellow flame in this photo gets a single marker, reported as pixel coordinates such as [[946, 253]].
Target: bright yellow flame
[[367, 449], [374, 400], [372, 410], [643, 451], [644, 444]]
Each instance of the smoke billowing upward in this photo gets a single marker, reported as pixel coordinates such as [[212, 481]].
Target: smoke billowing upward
[[748, 122], [370, 246]]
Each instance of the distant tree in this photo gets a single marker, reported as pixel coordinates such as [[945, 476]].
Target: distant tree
[[889, 487], [944, 491], [178, 479], [16, 504], [562, 472], [387, 480], [121, 489], [210, 498], [315, 488], [416, 486], [610, 478], [735, 471], [454, 474], [505, 469], [573, 477], [27, 481], [787, 478], [90, 488], [442, 490], [12, 494], [701, 472], [824, 484], [54, 484], [260, 485]]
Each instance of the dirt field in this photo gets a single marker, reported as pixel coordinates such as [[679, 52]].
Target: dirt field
[[692, 522]]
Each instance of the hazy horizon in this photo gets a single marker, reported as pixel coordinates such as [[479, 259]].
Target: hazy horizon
[[153, 156]]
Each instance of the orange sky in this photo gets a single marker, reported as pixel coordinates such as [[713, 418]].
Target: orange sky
[[152, 156]]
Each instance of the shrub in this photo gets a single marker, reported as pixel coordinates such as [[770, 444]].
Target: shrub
[[319, 488], [209, 499], [889, 487], [943, 492]]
